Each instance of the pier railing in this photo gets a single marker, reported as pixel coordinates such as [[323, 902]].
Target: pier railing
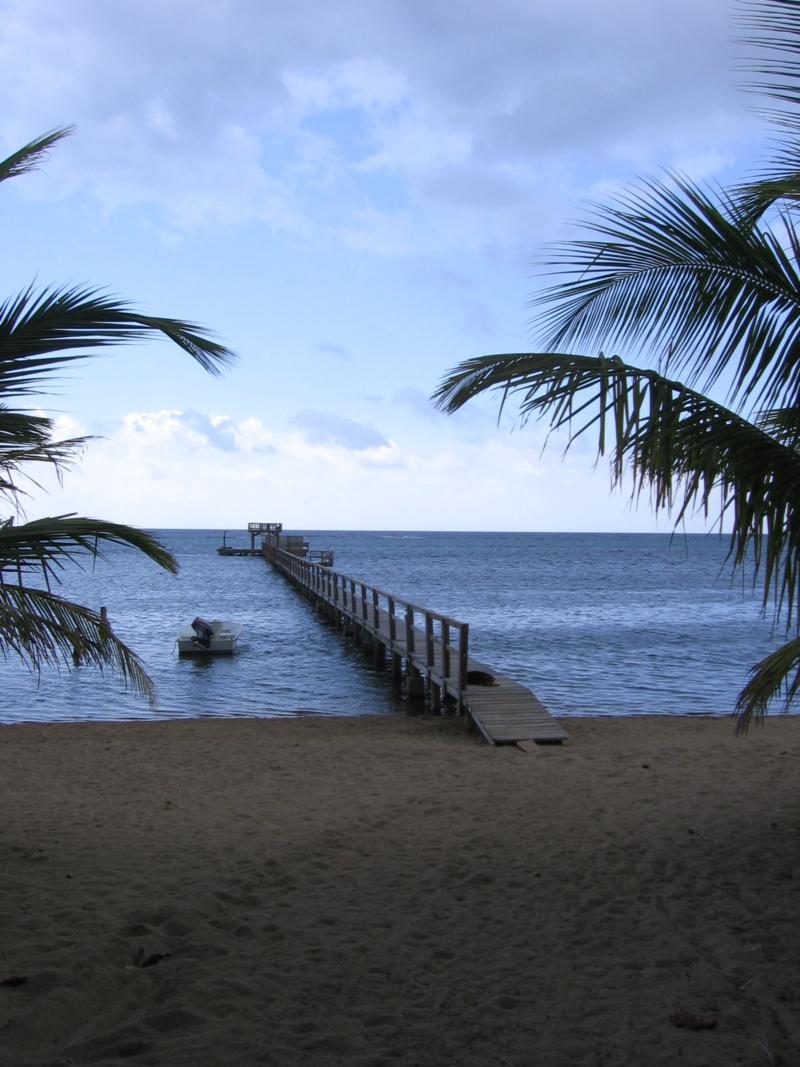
[[434, 647]]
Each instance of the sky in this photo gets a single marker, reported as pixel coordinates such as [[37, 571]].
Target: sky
[[354, 196]]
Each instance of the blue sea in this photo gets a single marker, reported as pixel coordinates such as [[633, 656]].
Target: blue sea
[[594, 624]]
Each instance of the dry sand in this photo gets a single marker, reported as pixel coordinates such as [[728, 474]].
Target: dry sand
[[393, 891]]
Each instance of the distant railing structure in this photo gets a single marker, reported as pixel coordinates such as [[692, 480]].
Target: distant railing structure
[[433, 647], [271, 533]]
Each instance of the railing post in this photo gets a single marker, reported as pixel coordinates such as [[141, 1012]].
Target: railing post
[[463, 661], [379, 642], [430, 659], [409, 629], [445, 650], [397, 660], [434, 692]]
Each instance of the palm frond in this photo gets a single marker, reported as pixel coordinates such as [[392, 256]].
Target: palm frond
[[31, 155], [26, 437], [22, 428], [15, 461], [779, 183], [708, 285], [45, 630], [44, 546], [683, 273], [58, 453], [781, 423], [770, 679], [41, 330], [772, 27], [689, 451]]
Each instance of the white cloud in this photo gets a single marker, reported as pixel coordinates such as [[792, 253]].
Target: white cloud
[[157, 469], [351, 194], [363, 83], [433, 125]]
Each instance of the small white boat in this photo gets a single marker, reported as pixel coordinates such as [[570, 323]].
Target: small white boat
[[203, 636]]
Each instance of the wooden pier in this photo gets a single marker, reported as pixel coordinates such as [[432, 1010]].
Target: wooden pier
[[272, 533], [270, 530], [429, 649]]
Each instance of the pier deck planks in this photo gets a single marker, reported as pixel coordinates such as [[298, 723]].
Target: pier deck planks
[[507, 712]]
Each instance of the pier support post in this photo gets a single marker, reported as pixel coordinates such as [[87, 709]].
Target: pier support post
[[436, 698], [416, 684]]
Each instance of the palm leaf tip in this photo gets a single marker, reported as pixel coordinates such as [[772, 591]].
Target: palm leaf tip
[[774, 677], [31, 155], [45, 630], [45, 545], [212, 356], [464, 382], [43, 330]]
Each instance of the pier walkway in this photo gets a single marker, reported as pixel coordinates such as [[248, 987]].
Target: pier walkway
[[433, 648]]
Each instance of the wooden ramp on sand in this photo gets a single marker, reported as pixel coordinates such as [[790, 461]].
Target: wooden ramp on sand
[[506, 713]]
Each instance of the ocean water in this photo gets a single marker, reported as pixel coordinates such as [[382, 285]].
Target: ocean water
[[594, 624]]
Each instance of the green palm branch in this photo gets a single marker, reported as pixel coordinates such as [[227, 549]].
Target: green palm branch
[[31, 155], [682, 271], [707, 283], [43, 331], [782, 424], [47, 630], [44, 630], [688, 451], [45, 546], [24, 440], [771, 28], [775, 676]]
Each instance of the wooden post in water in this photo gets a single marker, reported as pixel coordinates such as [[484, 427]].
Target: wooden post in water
[[463, 663], [357, 632], [415, 681], [379, 650], [397, 659], [434, 692]]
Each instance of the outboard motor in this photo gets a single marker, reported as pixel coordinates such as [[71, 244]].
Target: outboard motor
[[203, 631]]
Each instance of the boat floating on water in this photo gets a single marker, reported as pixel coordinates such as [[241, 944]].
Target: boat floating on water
[[208, 637]]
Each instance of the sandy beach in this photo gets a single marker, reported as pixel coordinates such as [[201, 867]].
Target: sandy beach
[[369, 891]]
